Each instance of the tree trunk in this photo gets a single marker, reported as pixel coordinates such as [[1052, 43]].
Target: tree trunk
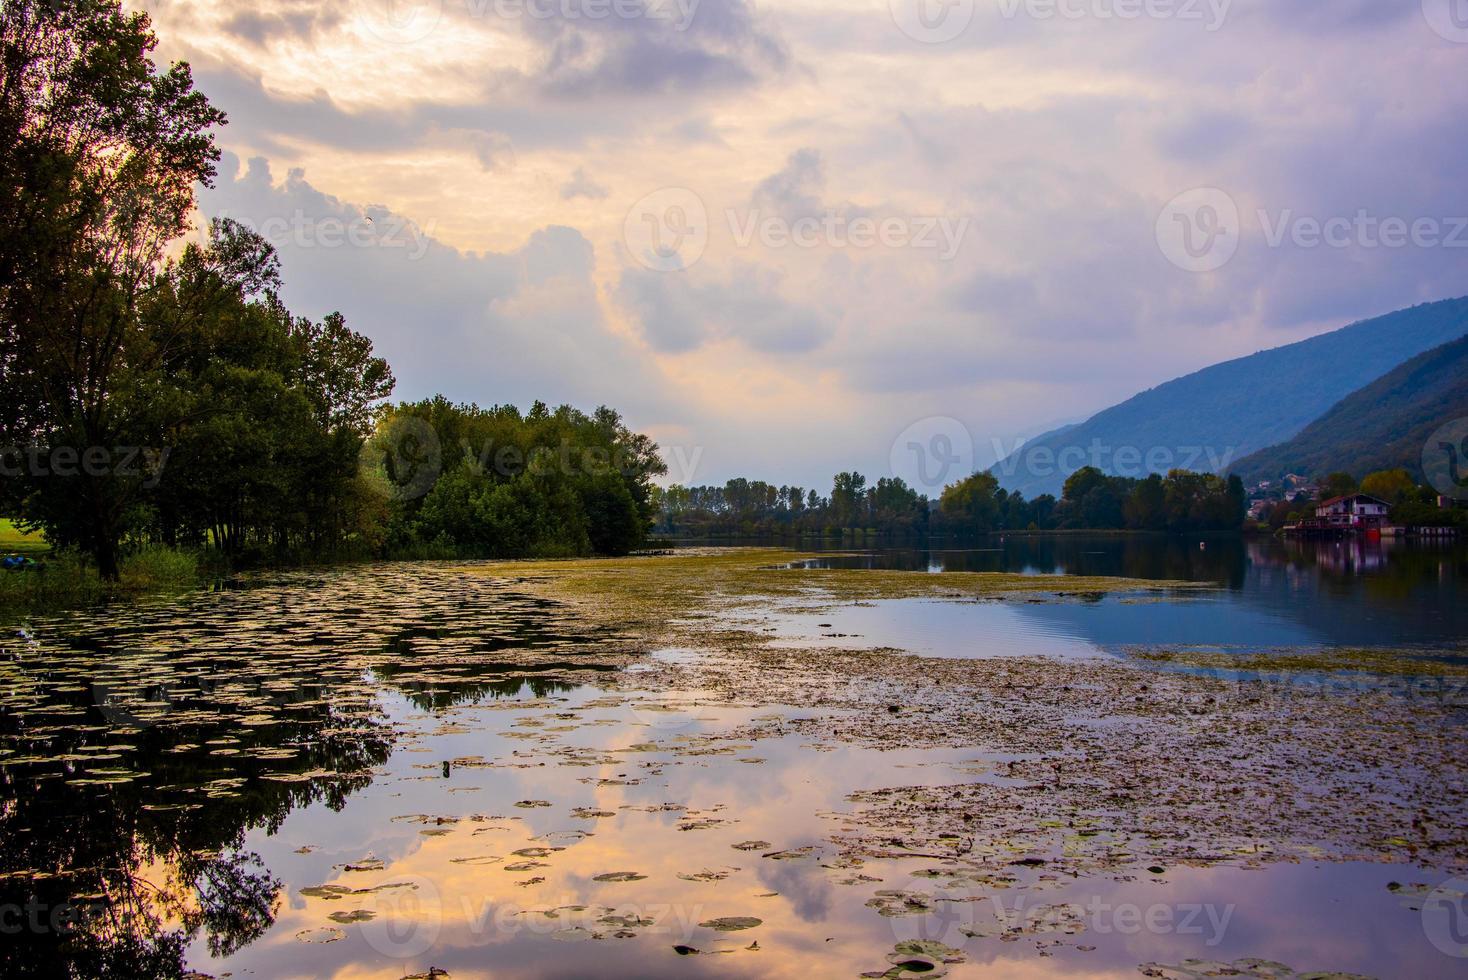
[[105, 551]]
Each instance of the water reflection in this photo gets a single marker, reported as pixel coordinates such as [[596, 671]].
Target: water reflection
[[1278, 592], [142, 745], [394, 770]]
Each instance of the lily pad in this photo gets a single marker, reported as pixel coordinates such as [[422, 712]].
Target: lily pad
[[619, 876], [733, 923]]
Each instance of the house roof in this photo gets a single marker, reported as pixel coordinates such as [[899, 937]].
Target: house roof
[[1353, 496]]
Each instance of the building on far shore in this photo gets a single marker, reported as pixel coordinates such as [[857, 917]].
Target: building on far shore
[[1354, 513], [1353, 508]]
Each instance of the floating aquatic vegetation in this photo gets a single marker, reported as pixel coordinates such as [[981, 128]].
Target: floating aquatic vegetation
[[367, 864], [919, 958], [619, 876], [1192, 969], [707, 875], [525, 866], [629, 921], [733, 923]]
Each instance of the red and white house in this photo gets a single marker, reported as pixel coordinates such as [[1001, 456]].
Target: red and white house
[[1352, 510]]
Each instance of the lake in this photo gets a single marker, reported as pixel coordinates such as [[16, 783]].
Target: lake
[[804, 765]]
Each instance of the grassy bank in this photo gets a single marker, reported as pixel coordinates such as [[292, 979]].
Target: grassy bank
[[14, 541], [65, 581]]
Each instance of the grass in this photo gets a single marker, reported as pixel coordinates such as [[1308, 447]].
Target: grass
[[643, 593], [14, 541], [64, 580]]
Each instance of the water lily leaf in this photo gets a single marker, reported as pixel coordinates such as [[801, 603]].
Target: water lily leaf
[[733, 923]]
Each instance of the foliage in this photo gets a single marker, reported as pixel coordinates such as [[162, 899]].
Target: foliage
[[1182, 501], [1393, 486], [754, 508], [495, 483], [70, 579], [977, 504], [101, 153]]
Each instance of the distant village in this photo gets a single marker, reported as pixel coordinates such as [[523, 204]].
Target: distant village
[[1351, 514]]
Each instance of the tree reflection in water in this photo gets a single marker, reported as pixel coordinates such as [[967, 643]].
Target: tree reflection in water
[[139, 746]]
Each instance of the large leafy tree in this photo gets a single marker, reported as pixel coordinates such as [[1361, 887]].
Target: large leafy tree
[[100, 152]]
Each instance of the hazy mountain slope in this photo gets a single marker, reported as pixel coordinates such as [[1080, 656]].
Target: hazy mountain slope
[[1239, 407], [1382, 426]]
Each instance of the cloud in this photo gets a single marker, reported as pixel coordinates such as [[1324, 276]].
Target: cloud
[[297, 20], [505, 327], [581, 185], [682, 311], [520, 144], [494, 151], [794, 192], [671, 47]]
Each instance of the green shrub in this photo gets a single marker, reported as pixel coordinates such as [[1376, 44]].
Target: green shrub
[[157, 568], [65, 579]]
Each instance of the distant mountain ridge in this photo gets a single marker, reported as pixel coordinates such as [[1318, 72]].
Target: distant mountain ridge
[[1217, 416], [1382, 426]]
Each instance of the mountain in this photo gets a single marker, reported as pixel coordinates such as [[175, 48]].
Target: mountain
[[1209, 419], [1380, 427]]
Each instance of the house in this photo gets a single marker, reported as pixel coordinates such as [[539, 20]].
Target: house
[[1352, 510]]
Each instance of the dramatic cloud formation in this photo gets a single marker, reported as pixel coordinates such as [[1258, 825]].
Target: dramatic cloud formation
[[863, 218]]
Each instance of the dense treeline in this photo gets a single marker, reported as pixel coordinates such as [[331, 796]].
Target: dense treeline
[[754, 508], [163, 395], [469, 480], [1181, 501]]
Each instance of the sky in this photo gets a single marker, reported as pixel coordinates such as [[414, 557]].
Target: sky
[[803, 236]]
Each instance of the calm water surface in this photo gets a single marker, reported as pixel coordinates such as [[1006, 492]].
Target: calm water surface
[[1273, 592], [391, 770]]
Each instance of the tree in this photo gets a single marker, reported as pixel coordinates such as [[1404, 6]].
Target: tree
[[1337, 485], [101, 153], [1393, 486], [847, 501], [1146, 506], [972, 502], [1082, 482]]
